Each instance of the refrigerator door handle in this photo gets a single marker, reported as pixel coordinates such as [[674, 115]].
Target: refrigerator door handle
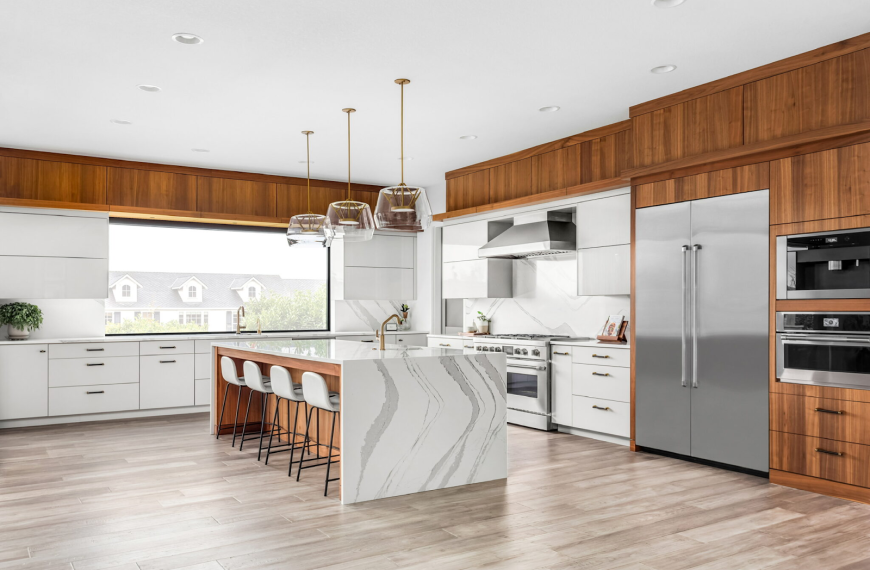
[[695, 249], [683, 336]]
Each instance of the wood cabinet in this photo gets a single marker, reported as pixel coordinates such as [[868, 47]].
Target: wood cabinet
[[28, 179], [468, 191], [823, 458], [236, 197], [550, 170], [293, 199], [128, 187], [826, 94], [510, 181], [23, 381], [828, 184], [604, 158], [706, 124], [839, 420], [707, 185]]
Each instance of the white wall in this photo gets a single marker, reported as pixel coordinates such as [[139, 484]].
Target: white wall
[[65, 318]]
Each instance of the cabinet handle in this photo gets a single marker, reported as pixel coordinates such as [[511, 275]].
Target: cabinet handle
[[41, 351], [167, 347], [600, 374], [95, 364], [824, 411], [367, 341], [600, 356], [94, 349], [468, 346], [442, 344], [600, 408], [166, 361], [837, 453], [561, 353], [97, 392]]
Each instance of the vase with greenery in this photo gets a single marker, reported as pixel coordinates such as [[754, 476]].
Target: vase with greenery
[[21, 318], [404, 309], [482, 323]]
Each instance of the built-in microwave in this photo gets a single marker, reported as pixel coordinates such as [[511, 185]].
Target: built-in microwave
[[825, 265]]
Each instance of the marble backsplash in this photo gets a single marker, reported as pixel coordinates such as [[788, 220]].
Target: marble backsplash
[[545, 301], [353, 316]]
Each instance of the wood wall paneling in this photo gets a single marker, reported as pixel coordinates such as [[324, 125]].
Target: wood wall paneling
[[707, 185], [292, 199], [28, 179], [238, 197], [151, 189], [830, 93], [695, 127], [829, 184], [604, 158], [468, 191], [549, 171]]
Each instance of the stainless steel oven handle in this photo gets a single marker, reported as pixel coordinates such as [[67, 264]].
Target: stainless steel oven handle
[[695, 249], [683, 324], [527, 366], [823, 341]]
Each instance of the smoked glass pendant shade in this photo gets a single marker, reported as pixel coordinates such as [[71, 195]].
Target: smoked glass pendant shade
[[350, 220], [404, 208], [309, 230]]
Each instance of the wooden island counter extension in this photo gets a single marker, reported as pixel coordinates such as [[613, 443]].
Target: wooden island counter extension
[[412, 418]]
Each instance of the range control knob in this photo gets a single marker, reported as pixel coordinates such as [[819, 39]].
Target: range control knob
[[497, 349], [536, 352], [485, 348], [524, 351]]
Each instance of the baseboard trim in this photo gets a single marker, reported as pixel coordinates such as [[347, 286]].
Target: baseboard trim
[[129, 414], [709, 463], [820, 486], [594, 435]]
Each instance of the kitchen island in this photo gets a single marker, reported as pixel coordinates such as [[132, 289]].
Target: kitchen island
[[412, 419]]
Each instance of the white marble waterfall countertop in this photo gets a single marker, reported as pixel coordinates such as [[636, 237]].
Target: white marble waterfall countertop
[[335, 351]]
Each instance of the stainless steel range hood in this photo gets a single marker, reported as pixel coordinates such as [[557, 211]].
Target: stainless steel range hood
[[540, 233]]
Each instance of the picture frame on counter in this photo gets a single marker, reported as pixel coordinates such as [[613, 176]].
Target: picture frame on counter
[[614, 330]]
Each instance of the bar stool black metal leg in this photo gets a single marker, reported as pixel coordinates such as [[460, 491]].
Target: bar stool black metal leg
[[223, 406], [236, 423], [329, 454], [307, 425], [295, 425], [272, 431], [245, 426], [265, 398], [317, 444]]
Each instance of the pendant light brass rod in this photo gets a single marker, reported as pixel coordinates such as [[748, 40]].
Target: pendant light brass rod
[[308, 166], [348, 111], [402, 128]]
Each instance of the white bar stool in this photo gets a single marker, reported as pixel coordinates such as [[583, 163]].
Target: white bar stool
[[319, 397], [257, 382], [230, 376], [284, 388]]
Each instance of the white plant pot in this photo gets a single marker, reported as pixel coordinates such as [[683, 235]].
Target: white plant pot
[[18, 334], [483, 327]]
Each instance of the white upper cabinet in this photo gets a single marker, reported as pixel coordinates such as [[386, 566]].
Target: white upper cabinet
[[604, 270], [477, 279], [603, 222], [381, 269], [381, 251], [35, 235], [460, 242]]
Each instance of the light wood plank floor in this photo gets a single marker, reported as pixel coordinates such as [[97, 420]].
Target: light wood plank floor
[[159, 493]]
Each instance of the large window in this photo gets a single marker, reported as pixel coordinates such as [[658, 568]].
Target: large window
[[192, 278]]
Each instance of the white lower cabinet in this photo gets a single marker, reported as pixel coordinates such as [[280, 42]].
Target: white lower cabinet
[[560, 377], [201, 392], [411, 339], [446, 342], [92, 371], [166, 381], [23, 381], [603, 416], [608, 382], [72, 400]]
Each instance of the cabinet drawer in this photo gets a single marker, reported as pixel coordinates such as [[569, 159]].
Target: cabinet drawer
[[602, 356], [607, 382], [166, 347], [613, 419], [441, 342], [412, 339], [166, 381], [202, 366], [840, 420], [201, 393], [93, 349], [93, 371], [92, 399], [807, 456], [203, 346], [561, 353]]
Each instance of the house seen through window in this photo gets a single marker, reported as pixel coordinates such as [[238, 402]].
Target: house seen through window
[[192, 278]]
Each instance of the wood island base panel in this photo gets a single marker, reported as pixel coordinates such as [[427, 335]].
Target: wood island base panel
[[412, 419]]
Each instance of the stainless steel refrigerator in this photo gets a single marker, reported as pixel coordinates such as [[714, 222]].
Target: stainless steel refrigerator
[[701, 329]]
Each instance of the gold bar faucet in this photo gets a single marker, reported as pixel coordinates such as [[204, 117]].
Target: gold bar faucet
[[240, 312], [383, 324]]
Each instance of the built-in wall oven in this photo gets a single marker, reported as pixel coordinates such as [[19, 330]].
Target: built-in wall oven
[[824, 349], [825, 265]]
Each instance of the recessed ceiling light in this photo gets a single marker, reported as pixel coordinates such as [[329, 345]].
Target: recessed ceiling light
[[200, 150], [189, 39], [468, 137], [549, 109], [667, 3], [149, 88], [120, 122], [663, 69]]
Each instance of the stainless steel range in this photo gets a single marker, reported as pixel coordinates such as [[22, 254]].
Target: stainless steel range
[[528, 375]]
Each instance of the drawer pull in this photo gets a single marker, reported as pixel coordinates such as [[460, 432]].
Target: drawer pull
[[167, 347], [837, 453], [600, 374], [94, 349], [95, 364], [443, 344], [600, 408], [561, 353], [97, 392], [41, 351], [600, 356], [824, 411], [166, 361], [367, 341]]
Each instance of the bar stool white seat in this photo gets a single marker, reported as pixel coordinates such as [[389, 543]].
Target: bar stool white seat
[[319, 397], [257, 382], [230, 376], [284, 388]]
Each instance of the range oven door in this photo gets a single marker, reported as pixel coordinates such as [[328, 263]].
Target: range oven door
[[528, 386], [823, 360]]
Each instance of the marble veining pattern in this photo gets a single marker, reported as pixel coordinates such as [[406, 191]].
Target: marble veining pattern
[[366, 315], [545, 301], [422, 423]]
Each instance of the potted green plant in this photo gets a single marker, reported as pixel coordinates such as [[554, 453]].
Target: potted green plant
[[21, 318], [404, 309], [482, 323]]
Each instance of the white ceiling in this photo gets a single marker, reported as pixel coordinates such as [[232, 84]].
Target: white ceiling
[[271, 68]]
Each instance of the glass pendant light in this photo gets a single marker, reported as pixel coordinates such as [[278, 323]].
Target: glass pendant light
[[350, 220], [309, 229], [403, 207]]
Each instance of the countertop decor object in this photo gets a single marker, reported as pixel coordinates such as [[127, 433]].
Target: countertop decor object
[[614, 330], [21, 318], [348, 219], [309, 229], [482, 323], [403, 207]]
